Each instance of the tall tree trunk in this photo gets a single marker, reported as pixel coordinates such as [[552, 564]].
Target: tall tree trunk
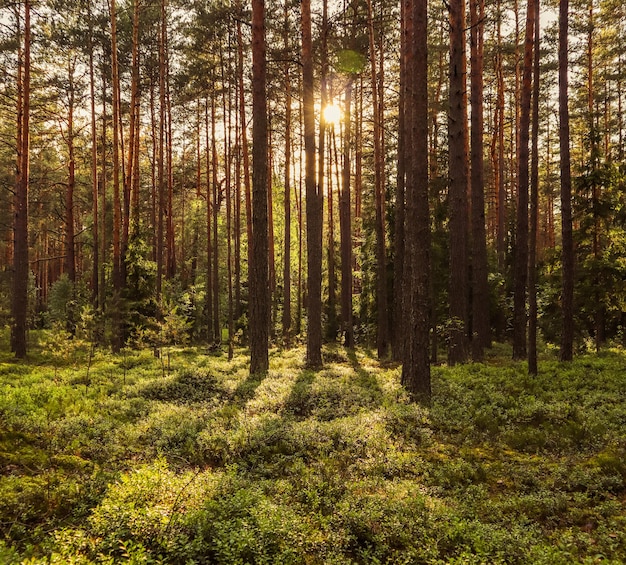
[[404, 108], [259, 295], [534, 206], [567, 254], [131, 183], [161, 157], [209, 248], [379, 189], [314, 200], [457, 133], [70, 256], [321, 150], [19, 304], [103, 192], [244, 145], [416, 367], [270, 229], [521, 238], [287, 203], [95, 288], [228, 153], [171, 241], [299, 203], [480, 288], [117, 206], [215, 207], [345, 226]]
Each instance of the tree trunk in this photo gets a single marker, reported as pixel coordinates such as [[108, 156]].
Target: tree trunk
[[567, 254], [345, 226], [244, 146], [534, 207], [161, 157], [404, 109], [131, 184], [287, 204], [117, 209], [379, 190], [314, 201], [521, 238], [480, 288], [457, 133], [19, 303], [259, 295], [215, 207], [416, 367], [70, 258], [209, 248], [95, 288]]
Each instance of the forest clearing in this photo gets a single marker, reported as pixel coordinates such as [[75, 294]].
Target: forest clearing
[[131, 460]]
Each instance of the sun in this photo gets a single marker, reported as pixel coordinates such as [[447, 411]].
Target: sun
[[332, 114]]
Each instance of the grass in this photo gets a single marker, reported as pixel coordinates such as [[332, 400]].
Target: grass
[[122, 464]]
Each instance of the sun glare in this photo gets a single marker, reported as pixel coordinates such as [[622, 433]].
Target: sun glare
[[332, 114]]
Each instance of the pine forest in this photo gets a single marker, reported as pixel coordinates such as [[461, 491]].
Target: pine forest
[[329, 281]]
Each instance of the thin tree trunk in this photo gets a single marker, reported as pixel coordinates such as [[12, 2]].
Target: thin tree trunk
[[321, 150], [209, 263], [480, 288], [567, 254], [534, 206], [299, 203], [406, 36], [381, 255], [259, 295], [314, 200], [95, 288], [117, 210], [215, 203], [271, 242], [171, 242], [70, 257], [345, 226], [103, 194], [457, 133], [244, 145], [287, 204], [131, 184], [417, 290], [19, 303], [161, 157], [521, 239]]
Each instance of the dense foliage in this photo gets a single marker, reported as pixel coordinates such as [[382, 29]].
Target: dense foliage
[[188, 459]]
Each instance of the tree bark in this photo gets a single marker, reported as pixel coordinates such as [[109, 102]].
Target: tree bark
[[215, 206], [534, 206], [416, 367], [19, 303], [95, 280], [521, 238], [314, 201], [345, 226], [382, 316], [480, 288], [567, 254], [70, 256], [458, 188], [286, 321], [259, 295], [117, 206]]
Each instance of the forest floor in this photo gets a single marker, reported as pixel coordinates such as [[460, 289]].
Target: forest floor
[[126, 459]]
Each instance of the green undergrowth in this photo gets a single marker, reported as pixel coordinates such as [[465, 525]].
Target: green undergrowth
[[126, 459]]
